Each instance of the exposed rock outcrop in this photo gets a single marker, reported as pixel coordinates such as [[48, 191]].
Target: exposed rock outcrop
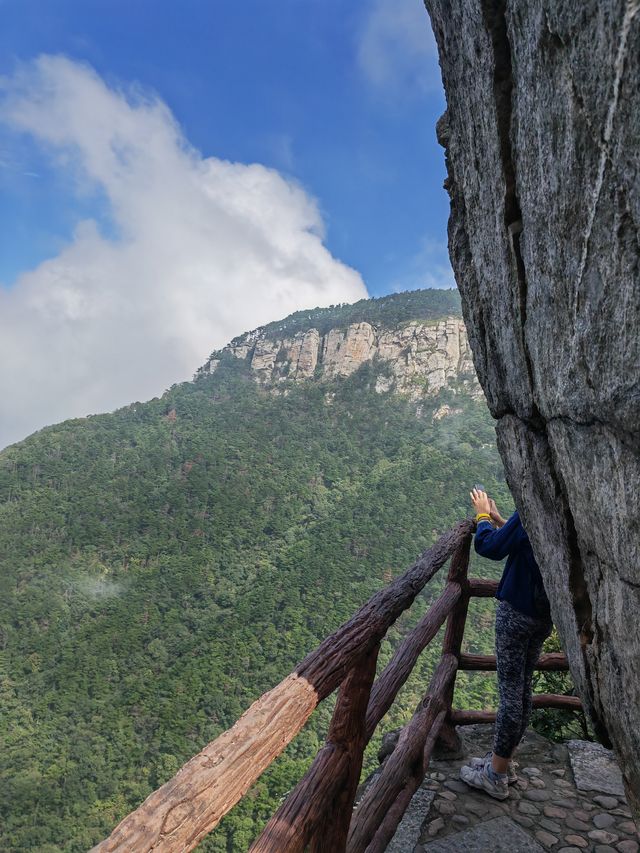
[[542, 133], [416, 357]]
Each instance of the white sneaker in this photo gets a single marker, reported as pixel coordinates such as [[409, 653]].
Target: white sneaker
[[512, 775], [478, 777]]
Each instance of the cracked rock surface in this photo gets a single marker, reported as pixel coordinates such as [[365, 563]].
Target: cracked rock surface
[[542, 136]]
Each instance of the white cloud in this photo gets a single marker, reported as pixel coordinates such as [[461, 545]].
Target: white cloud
[[203, 250], [397, 51]]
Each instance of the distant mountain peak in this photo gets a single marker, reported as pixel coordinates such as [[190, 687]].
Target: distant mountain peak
[[417, 339]]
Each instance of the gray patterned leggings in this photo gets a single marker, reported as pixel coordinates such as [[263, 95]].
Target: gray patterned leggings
[[519, 640]]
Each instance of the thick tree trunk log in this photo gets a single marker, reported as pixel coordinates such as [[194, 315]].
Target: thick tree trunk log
[[403, 761], [348, 730], [551, 662], [399, 667], [180, 813], [330, 767], [452, 643], [454, 633]]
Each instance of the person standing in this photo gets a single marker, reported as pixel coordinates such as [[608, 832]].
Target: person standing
[[523, 622]]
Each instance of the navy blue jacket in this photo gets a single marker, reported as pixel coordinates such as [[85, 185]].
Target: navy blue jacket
[[521, 583]]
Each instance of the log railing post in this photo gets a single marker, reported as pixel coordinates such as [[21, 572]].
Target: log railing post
[[348, 730], [404, 770], [318, 810], [391, 820], [449, 741]]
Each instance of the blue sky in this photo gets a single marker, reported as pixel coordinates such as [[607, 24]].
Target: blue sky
[[339, 98], [274, 83]]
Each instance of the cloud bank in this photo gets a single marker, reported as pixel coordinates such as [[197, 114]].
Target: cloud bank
[[198, 250], [397, 51]]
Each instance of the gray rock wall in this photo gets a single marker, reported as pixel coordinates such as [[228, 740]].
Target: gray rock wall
[[542, 135]]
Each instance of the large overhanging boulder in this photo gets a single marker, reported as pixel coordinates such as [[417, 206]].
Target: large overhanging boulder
[[542, 135]]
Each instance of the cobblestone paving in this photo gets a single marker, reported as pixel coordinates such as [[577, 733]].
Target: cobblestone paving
[[545, 803]]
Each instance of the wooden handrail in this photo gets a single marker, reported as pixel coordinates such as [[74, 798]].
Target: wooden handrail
[[318, 814], [186, 808]]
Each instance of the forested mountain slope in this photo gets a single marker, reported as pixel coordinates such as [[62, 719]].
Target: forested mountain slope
[[164, 565]]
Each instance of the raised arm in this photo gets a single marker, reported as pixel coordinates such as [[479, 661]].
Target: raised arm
[[491, 543], [496, 544]]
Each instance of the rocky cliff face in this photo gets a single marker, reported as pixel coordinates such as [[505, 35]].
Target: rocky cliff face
[[417, 357], [542, 134]]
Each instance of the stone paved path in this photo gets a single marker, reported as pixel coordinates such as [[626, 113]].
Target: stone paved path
[[545, 809]]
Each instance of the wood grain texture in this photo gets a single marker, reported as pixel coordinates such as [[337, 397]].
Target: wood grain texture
[[456, 620], [391, 820], [349, 729], [180, 813], [453, 636]]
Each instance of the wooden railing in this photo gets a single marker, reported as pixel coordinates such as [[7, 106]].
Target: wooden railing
[[318, 814]]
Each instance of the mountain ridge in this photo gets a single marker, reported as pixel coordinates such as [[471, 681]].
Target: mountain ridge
[[429, 303], [419, 349]]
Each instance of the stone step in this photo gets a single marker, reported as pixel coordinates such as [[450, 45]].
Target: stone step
[[499, 835]]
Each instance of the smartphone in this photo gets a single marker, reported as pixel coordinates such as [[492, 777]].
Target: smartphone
[[478, 487]]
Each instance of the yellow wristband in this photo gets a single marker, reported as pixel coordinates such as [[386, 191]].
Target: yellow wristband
[[482, 515]]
